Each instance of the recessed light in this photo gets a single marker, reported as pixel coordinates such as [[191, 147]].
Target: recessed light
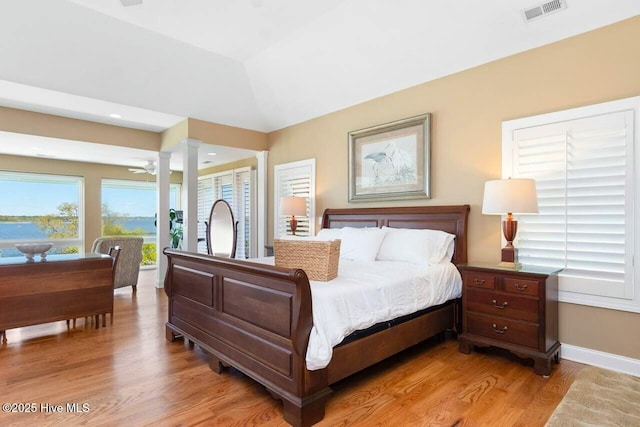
[[127, 3], [115, 116], [212, 154]]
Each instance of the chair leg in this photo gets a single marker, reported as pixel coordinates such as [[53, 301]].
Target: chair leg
[[104, 320], [135, 288], [3, 335]]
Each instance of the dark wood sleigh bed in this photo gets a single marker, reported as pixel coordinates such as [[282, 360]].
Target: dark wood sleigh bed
[[257, 318]]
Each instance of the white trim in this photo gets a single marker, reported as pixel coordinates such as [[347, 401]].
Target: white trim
[[601, 359], [190, 194], [261, 211], [163, 188], [253, 223], [612, 303]]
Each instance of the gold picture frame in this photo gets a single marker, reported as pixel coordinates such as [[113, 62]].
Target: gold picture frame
[[391, 161]]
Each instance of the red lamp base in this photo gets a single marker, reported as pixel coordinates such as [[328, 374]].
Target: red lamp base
[[509, 252]]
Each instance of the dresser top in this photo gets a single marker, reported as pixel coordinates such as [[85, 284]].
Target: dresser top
[[525, 269], [50, 258]]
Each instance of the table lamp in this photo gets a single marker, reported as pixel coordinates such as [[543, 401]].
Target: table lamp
[[291, 205], [509, 196]]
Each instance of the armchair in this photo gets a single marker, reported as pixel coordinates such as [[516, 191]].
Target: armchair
[[130, 256]]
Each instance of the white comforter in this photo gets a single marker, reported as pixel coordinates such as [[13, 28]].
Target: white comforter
[[366, 293]]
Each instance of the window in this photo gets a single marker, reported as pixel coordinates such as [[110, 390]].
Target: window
[[235, 187], [129, 209], [295, 179], [41, 207], [583, 162]]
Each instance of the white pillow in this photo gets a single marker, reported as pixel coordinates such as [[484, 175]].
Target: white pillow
[[329, 234], [416, 246], [360, 244]]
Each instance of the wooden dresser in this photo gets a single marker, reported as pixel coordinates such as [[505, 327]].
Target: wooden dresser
[[61, 288], [512, 309]]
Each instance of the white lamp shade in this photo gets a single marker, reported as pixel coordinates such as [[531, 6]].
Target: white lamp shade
[[515, 195], [291, 205]]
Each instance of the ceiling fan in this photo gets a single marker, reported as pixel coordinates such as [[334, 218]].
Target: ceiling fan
[[149, 168]]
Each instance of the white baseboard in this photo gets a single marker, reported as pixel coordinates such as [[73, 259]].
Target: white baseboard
[[601, 359]]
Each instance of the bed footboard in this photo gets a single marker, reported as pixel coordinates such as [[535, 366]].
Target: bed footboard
[[256, 318]]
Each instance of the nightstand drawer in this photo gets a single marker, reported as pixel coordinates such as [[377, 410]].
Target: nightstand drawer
[[501, 304], [521, 286], [502, 329], [479, 280]]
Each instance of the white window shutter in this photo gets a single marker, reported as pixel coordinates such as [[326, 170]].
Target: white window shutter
[[242, 211], [583, 170], [295, 179], [205, 201], [234, 187]]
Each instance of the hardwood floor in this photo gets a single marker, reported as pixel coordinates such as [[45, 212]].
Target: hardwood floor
[[128, 374]]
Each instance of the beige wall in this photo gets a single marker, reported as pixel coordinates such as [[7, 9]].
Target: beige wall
[[228, 136], [30, 123], [214, 134], [91, 172], [468, 109]]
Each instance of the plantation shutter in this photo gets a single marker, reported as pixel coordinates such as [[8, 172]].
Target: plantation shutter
[[234, 187], [295, 179], [242, 211], [583, 170], [223, 187], [205, 201]]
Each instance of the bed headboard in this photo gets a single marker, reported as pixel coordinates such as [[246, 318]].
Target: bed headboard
[[452, 219]]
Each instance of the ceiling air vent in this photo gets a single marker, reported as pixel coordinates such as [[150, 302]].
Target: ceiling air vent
[[543, 9]]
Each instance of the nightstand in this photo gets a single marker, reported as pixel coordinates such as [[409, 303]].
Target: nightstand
[[516, 310]]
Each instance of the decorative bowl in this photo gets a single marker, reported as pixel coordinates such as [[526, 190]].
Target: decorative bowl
[[30, 249]]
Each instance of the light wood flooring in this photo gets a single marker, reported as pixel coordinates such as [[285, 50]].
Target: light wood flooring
[[128, 374]]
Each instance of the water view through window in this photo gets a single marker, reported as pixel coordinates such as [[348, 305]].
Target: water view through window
[[129, 209], [49, 208], [41, 208]]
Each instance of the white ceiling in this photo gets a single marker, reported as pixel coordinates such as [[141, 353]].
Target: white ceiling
[[256, 64]]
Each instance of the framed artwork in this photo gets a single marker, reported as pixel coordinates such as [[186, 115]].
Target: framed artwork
[[391, 161]]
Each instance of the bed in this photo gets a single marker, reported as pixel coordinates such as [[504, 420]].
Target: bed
[[258, 318]]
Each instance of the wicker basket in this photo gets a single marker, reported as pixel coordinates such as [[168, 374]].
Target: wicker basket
[[318, 258]]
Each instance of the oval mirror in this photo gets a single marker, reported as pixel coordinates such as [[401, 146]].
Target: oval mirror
[[222, 230]]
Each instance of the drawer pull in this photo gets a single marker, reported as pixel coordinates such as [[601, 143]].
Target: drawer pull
[[499, 331], [478, 281], [520, 288], [501, 307]]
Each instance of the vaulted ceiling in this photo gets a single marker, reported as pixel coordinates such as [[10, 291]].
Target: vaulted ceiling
[[256, 64]]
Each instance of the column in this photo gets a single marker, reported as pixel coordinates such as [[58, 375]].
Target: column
[[190, 194], [162, 210], [263, 173]]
